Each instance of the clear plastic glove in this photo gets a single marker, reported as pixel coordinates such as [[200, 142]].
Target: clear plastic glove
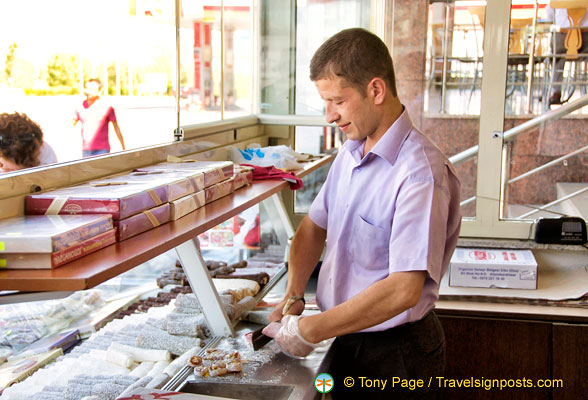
[[288, 337], [287, 306]]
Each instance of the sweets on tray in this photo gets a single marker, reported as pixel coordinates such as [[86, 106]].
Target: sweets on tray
[[261, 277], [145, 220], [241, 287], [58, 258], [49, 233], [120, 200], [214, 171], [18, 369]]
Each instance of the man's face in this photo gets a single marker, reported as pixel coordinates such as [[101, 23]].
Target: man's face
[[7, 165], [348, 108], [92, 90]]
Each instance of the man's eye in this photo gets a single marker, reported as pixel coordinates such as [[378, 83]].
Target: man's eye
[[339, 102]]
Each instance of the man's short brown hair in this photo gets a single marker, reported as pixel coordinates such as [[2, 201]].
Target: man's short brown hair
[[355, 55], [20, 139]]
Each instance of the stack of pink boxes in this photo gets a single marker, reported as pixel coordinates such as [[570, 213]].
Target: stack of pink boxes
[[143, 199], [220, 178], [49, 241]]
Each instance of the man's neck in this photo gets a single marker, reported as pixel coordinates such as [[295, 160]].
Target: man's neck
[[394, 112], [91, 100]]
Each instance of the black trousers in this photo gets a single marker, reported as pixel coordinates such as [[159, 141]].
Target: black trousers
[[408, 358]]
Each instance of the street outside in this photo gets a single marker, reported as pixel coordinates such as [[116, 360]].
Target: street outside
[[143, 120]]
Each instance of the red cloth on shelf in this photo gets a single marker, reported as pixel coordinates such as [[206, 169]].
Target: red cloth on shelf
[[260, 173]]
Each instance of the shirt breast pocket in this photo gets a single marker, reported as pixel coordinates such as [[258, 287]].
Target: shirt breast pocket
[[369, 245]]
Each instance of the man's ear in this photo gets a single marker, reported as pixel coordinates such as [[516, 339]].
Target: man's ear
[[377, 90]]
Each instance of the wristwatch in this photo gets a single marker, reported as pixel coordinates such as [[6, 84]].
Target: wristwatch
[[291, 300]]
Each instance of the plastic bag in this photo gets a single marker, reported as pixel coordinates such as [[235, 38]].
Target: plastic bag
[[282, 157]]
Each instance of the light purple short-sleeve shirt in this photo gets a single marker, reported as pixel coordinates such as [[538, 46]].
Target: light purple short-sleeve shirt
[[397, 209]]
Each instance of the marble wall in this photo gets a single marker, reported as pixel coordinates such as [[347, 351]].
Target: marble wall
[[455, 134]]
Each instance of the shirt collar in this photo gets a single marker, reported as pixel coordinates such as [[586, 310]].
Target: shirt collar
[[390, 143]]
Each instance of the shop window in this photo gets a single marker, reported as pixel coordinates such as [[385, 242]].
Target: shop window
[[48, 50]]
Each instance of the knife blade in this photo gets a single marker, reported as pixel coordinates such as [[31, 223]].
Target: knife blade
[[258, 339]]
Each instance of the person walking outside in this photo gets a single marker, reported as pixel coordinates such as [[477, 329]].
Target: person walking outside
[[95, 116]]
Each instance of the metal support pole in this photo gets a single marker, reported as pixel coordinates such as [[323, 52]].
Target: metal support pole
[[532, 60], [445, 45], [203, 287], [277, 212], [504, 174], [178, 132]]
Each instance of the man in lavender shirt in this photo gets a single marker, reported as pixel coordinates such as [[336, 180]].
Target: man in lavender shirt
[[389, 213]]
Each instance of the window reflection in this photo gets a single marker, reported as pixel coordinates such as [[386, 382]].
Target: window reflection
[[541, 72], [238, 59], [49, 50], [216, 59]]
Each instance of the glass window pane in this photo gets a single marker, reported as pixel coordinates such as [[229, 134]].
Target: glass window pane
[[238, 59], [200, 59], [450, 102], [48, 50], [455, 38], [316, 22], [545, 165]]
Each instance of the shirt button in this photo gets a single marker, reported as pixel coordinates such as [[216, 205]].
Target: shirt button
[[359, 168]]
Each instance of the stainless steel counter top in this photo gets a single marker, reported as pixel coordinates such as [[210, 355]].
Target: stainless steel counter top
[[267, 373]]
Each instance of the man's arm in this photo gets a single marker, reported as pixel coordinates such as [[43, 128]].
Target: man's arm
[[376, 304], [118, 134], [305, 252]]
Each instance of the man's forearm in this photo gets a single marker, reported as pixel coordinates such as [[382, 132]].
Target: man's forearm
[[305, 252], [376, 304], [118, 134]]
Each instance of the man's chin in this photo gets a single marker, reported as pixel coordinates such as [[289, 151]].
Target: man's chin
[[352, 136]]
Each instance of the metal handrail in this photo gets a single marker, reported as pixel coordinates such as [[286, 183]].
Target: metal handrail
[[534, 171], [546, 206], [512, 133], [548, 164]]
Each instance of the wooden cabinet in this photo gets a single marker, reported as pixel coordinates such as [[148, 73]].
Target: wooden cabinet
[[515, 347], [570, 360]]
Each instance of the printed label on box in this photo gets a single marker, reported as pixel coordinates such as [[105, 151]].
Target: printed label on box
[[515, 269]]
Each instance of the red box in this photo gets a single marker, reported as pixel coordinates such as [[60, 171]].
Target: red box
[[187, 204], [142, 222], [100, 197], [56, 259], [179, 183], [243, 176], [219, 190], [49, 233], [214, 171]]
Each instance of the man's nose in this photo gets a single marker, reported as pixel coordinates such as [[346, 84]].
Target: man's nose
[[331, 114]]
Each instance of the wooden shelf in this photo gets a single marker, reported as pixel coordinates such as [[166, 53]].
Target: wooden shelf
[[113, 260]]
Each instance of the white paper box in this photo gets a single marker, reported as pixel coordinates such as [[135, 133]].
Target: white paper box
[[499, 268]]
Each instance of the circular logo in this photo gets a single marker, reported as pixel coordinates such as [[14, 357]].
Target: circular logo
[[72, 209], [324, 383]]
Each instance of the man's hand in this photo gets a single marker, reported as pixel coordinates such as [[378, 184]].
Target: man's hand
[[288, 337], [296, 308]]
